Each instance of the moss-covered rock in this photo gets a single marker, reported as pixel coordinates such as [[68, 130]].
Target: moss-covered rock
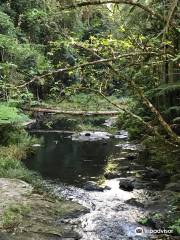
[[28, 215]]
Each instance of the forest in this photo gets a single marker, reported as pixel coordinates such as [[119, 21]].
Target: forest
[[89, 110]]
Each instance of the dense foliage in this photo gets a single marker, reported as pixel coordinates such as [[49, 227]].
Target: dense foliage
[[92, 55], [50, 50]]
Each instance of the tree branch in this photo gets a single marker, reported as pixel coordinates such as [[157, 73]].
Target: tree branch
[[127, 2], [123, 109], [99, 61], [148, 104], [171, 12]]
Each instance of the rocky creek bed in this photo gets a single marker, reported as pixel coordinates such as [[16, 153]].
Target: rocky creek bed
[[108, 192], [103, 172]]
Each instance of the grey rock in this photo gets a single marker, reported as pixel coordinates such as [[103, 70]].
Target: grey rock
[[130, 147], [87, 134], [132, 156], [72, 235], [121, 135], [107, 188], [110, 122], [111, 175], [151, 173], [140, 185], [130, 183], [124, 168], [134, 202], [93, 186], [173, 187], [90, 136], [127, 184]]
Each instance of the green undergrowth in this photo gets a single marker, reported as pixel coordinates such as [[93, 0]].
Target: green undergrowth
[[14, 214], [111, 166], [134, 127], [164, 89], [159, 153], [15, 145], [169, 221], [77, 123], [81, 102], [87, 102], [11, 115], [11, 165], [175, 226]]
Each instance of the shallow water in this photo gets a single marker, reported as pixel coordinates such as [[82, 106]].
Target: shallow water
[[69, 164], [110, 218]]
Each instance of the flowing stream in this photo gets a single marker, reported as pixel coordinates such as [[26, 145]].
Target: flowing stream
[[68, 164]]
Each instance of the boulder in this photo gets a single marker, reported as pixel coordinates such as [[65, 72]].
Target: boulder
[[93, 186], [130, 183], [152, 173], [134, 202], [112, 174], [37, 214], [121, 135], [124, 168], [90, 136], [127, 184], [132, 156], [175, 187], [130, 147]]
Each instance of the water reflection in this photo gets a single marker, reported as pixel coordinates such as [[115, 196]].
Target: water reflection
[[70, 161]]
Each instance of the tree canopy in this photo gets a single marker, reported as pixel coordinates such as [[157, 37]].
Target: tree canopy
[[51, 49]]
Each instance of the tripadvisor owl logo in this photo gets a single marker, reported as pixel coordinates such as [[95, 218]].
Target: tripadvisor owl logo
[[139, 231]]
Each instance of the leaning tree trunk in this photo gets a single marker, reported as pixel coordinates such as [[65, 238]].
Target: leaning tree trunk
[[163, 123]]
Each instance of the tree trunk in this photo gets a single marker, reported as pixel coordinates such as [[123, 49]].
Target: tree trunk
[[73, 113]]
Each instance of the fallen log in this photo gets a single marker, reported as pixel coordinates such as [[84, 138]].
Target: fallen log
[[28, 123], [51, 131], [75, 113]]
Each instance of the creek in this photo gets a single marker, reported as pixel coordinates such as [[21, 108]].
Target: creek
[[68, 164]]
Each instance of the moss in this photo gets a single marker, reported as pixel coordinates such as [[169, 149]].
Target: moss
[[111, 166], [101, 180], [150, 219], [176, 227], [14, 214], [143, 221], [23, 210]]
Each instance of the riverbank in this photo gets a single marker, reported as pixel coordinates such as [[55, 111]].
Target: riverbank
[[25, 214], [27, 210], [112, 159], [134, 194]]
